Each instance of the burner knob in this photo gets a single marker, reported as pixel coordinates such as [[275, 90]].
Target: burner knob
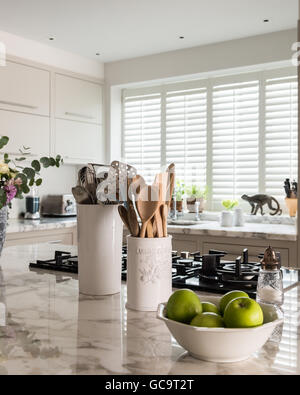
[[185, 255]]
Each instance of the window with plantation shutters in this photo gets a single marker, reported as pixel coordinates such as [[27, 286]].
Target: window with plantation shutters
[[235, 139], [142, 133], [234, 134], [281, 133], [186, 130]]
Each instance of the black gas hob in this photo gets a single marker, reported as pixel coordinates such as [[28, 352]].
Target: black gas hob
[[207, 273]]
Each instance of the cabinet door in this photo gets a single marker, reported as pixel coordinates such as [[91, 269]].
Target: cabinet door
[[77, 141], [24, 89], [77, 99], [25, 130]]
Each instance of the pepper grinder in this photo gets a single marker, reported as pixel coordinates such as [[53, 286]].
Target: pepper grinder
[[270, 284]]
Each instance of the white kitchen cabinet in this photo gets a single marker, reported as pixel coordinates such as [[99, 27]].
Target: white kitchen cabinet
[[77, 99], [77, 141], [25, 130], [24, 89]]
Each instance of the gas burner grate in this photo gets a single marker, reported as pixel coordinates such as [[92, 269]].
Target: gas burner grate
[[207, 273]]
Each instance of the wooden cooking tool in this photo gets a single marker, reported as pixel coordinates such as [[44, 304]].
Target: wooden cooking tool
[[161, 180], [124, 216], [147, 205], [171, 183], [164, 215], [133, 222]]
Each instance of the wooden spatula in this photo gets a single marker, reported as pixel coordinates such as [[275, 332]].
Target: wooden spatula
[[161, 181], [147, 205], [171, 183]]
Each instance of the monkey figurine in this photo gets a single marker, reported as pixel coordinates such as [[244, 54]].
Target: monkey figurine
[[258, 201]]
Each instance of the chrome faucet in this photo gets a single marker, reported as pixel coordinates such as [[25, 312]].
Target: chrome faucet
[[197, 209]]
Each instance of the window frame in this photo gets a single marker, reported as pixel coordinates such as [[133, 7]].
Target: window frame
[[209, 83]]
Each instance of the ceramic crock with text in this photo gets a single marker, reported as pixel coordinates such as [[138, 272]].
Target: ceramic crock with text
[[149, 272], [100, 233]]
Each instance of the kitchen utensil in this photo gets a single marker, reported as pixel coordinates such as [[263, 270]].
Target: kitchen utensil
[[147, 205], [122, 172], [171, 183], [164, 215], [133, 222], [124, 216], [81, 195], [161, 180], [222, 344]]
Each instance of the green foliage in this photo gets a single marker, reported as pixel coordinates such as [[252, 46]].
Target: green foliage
[[230, 204], [194, 191], [179, 190], [26, 176]]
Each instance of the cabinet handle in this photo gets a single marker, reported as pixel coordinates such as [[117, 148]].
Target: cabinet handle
[[74, 114], [11, 103], [55, 242]]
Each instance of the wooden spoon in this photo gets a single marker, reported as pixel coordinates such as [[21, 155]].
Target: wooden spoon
[[124, 216], [164, 214], [147, 205]]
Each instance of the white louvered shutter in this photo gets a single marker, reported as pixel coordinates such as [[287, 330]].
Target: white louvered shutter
[[186, 133], [142, 133], [235, 140], [281, 133]]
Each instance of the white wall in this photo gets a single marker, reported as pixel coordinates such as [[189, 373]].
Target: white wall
[[247, 52], [55, 181]]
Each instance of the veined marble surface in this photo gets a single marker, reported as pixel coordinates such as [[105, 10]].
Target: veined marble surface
[[50, 329], [250, 230], [208, 228], [26, 225]]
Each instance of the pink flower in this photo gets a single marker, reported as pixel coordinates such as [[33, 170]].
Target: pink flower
[[11, 192]]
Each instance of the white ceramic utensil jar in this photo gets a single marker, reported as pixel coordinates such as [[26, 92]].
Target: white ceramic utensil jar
[[149, 272], [100, 233]]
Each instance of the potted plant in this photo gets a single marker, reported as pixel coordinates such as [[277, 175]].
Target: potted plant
[[16, 180], [227, 215], [196, 194], [179, 194]]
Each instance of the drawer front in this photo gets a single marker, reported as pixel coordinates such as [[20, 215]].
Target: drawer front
[[24, 89], [78, 100], [66, 238], [77, 140], [234, 251], [25, 130]]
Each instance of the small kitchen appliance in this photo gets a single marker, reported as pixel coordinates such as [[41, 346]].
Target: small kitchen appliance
[[59, 206], [32, 203]]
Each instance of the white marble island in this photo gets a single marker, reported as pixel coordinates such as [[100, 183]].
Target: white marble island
[[50, 329]]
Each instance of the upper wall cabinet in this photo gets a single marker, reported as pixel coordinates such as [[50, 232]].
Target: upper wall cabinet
[[24, 89], [77, 99]]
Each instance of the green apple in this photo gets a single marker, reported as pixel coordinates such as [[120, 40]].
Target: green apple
[[183, 305], [243, 313], [208, 307], [208, 320], [228, 298]]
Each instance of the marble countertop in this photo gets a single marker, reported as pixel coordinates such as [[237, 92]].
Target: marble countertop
[[50, 329], [26, 225], [209, 228], [249, 230]]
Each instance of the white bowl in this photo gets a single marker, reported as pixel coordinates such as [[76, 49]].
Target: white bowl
[[222, 344]]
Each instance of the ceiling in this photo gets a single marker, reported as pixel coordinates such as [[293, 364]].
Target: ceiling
[[122, 29]]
